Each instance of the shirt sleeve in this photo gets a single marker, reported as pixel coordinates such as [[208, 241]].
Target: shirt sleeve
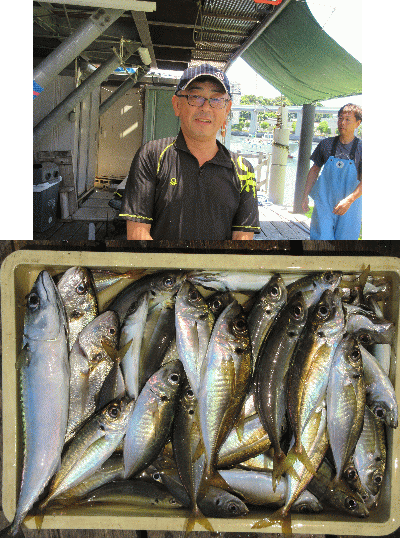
[[246, 218], [138, 199], [318, 156]]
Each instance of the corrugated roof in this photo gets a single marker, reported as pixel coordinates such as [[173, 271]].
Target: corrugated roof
[[182, 32]]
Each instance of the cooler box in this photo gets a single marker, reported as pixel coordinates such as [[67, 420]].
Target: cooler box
[[45, 172], [45, 199]]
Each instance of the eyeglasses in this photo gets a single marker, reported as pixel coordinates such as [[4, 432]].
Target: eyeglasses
[[197, 100]]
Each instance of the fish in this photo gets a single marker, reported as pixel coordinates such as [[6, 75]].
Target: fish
[[268, 303], [309, 371], [314, 439], [133, 493], [218, 301], [91, 447], [90, 365], [336, 495], [238, 281], [368, 327], [103, 278], [381, 396], [111, 470], [242, 445], [188, 446], [44, 378], [162, 286], [194, 322], [271, 372], [78, 293], [132, 331], [346, 397], [370, 454], [313, 285], [255, 487], [151, 420], [216, 503], [225, 379]]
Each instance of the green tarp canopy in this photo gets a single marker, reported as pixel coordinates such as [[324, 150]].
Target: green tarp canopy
[[296, 56]]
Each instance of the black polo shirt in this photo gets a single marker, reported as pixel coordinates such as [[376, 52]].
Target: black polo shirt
[[168, 189]]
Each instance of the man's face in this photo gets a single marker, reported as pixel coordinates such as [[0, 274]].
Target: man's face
[[347, 123], [201, 123]]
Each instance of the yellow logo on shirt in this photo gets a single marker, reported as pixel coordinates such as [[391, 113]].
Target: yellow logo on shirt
[[173, 181]]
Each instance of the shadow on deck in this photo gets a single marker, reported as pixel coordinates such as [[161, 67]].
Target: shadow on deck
[[95, 219]]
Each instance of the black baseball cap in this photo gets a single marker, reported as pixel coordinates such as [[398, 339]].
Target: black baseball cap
[[202, 70]]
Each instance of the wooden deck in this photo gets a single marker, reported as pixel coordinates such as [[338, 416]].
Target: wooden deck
[[277, 223]]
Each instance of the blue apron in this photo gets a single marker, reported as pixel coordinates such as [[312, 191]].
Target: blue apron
[[337, 180]]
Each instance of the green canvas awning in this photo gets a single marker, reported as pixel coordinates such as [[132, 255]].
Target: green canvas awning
[[301, 60]]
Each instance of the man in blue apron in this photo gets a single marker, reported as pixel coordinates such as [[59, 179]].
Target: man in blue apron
[[337, 190]]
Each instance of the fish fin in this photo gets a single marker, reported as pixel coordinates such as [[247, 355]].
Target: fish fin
[[240, 424], [199, 450], [279, 460], [116, 354], [197, 517], [281, 516], [285, 466], [23, 358], [11, 532]]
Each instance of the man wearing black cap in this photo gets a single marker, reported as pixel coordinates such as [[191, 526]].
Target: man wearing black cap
[[191, 187]]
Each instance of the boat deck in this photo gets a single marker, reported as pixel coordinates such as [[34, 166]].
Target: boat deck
[[96, 220]]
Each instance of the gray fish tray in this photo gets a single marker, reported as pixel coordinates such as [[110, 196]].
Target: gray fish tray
[[18, 274]]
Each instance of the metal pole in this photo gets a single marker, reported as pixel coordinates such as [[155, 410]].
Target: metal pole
[[121, 90], [73, 45], [305, 144], [75, 97]]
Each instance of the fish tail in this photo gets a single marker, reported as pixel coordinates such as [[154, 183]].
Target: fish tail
[[285, 465], [305, 460], [197, 517], [279, 467], [12, 531], [280, 516]]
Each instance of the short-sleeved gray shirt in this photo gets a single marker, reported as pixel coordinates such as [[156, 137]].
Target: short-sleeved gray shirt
[[323, 151], [168, 189]]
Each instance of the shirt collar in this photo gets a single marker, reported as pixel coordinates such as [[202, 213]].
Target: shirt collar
[[222, 157]]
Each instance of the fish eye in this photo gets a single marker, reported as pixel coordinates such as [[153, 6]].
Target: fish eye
[[111, 330], [320, 334], [193, 294], [240, 325], [164, 398], [350, 474], [81, 288], [174, 378], [172, 501], [323, 311], [365, 339], [377, 479], [113, 411], [191, 412], [216, 304], [190, 393], [157, 477], [169, 281], [350, 503], [379, 412], [33, 301], [297, 311], [274, 291], [232, 508], [304, 509], [328, 277], [355, 354]]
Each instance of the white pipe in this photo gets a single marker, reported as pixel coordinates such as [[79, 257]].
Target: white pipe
[[280, 151], [133, 5]]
